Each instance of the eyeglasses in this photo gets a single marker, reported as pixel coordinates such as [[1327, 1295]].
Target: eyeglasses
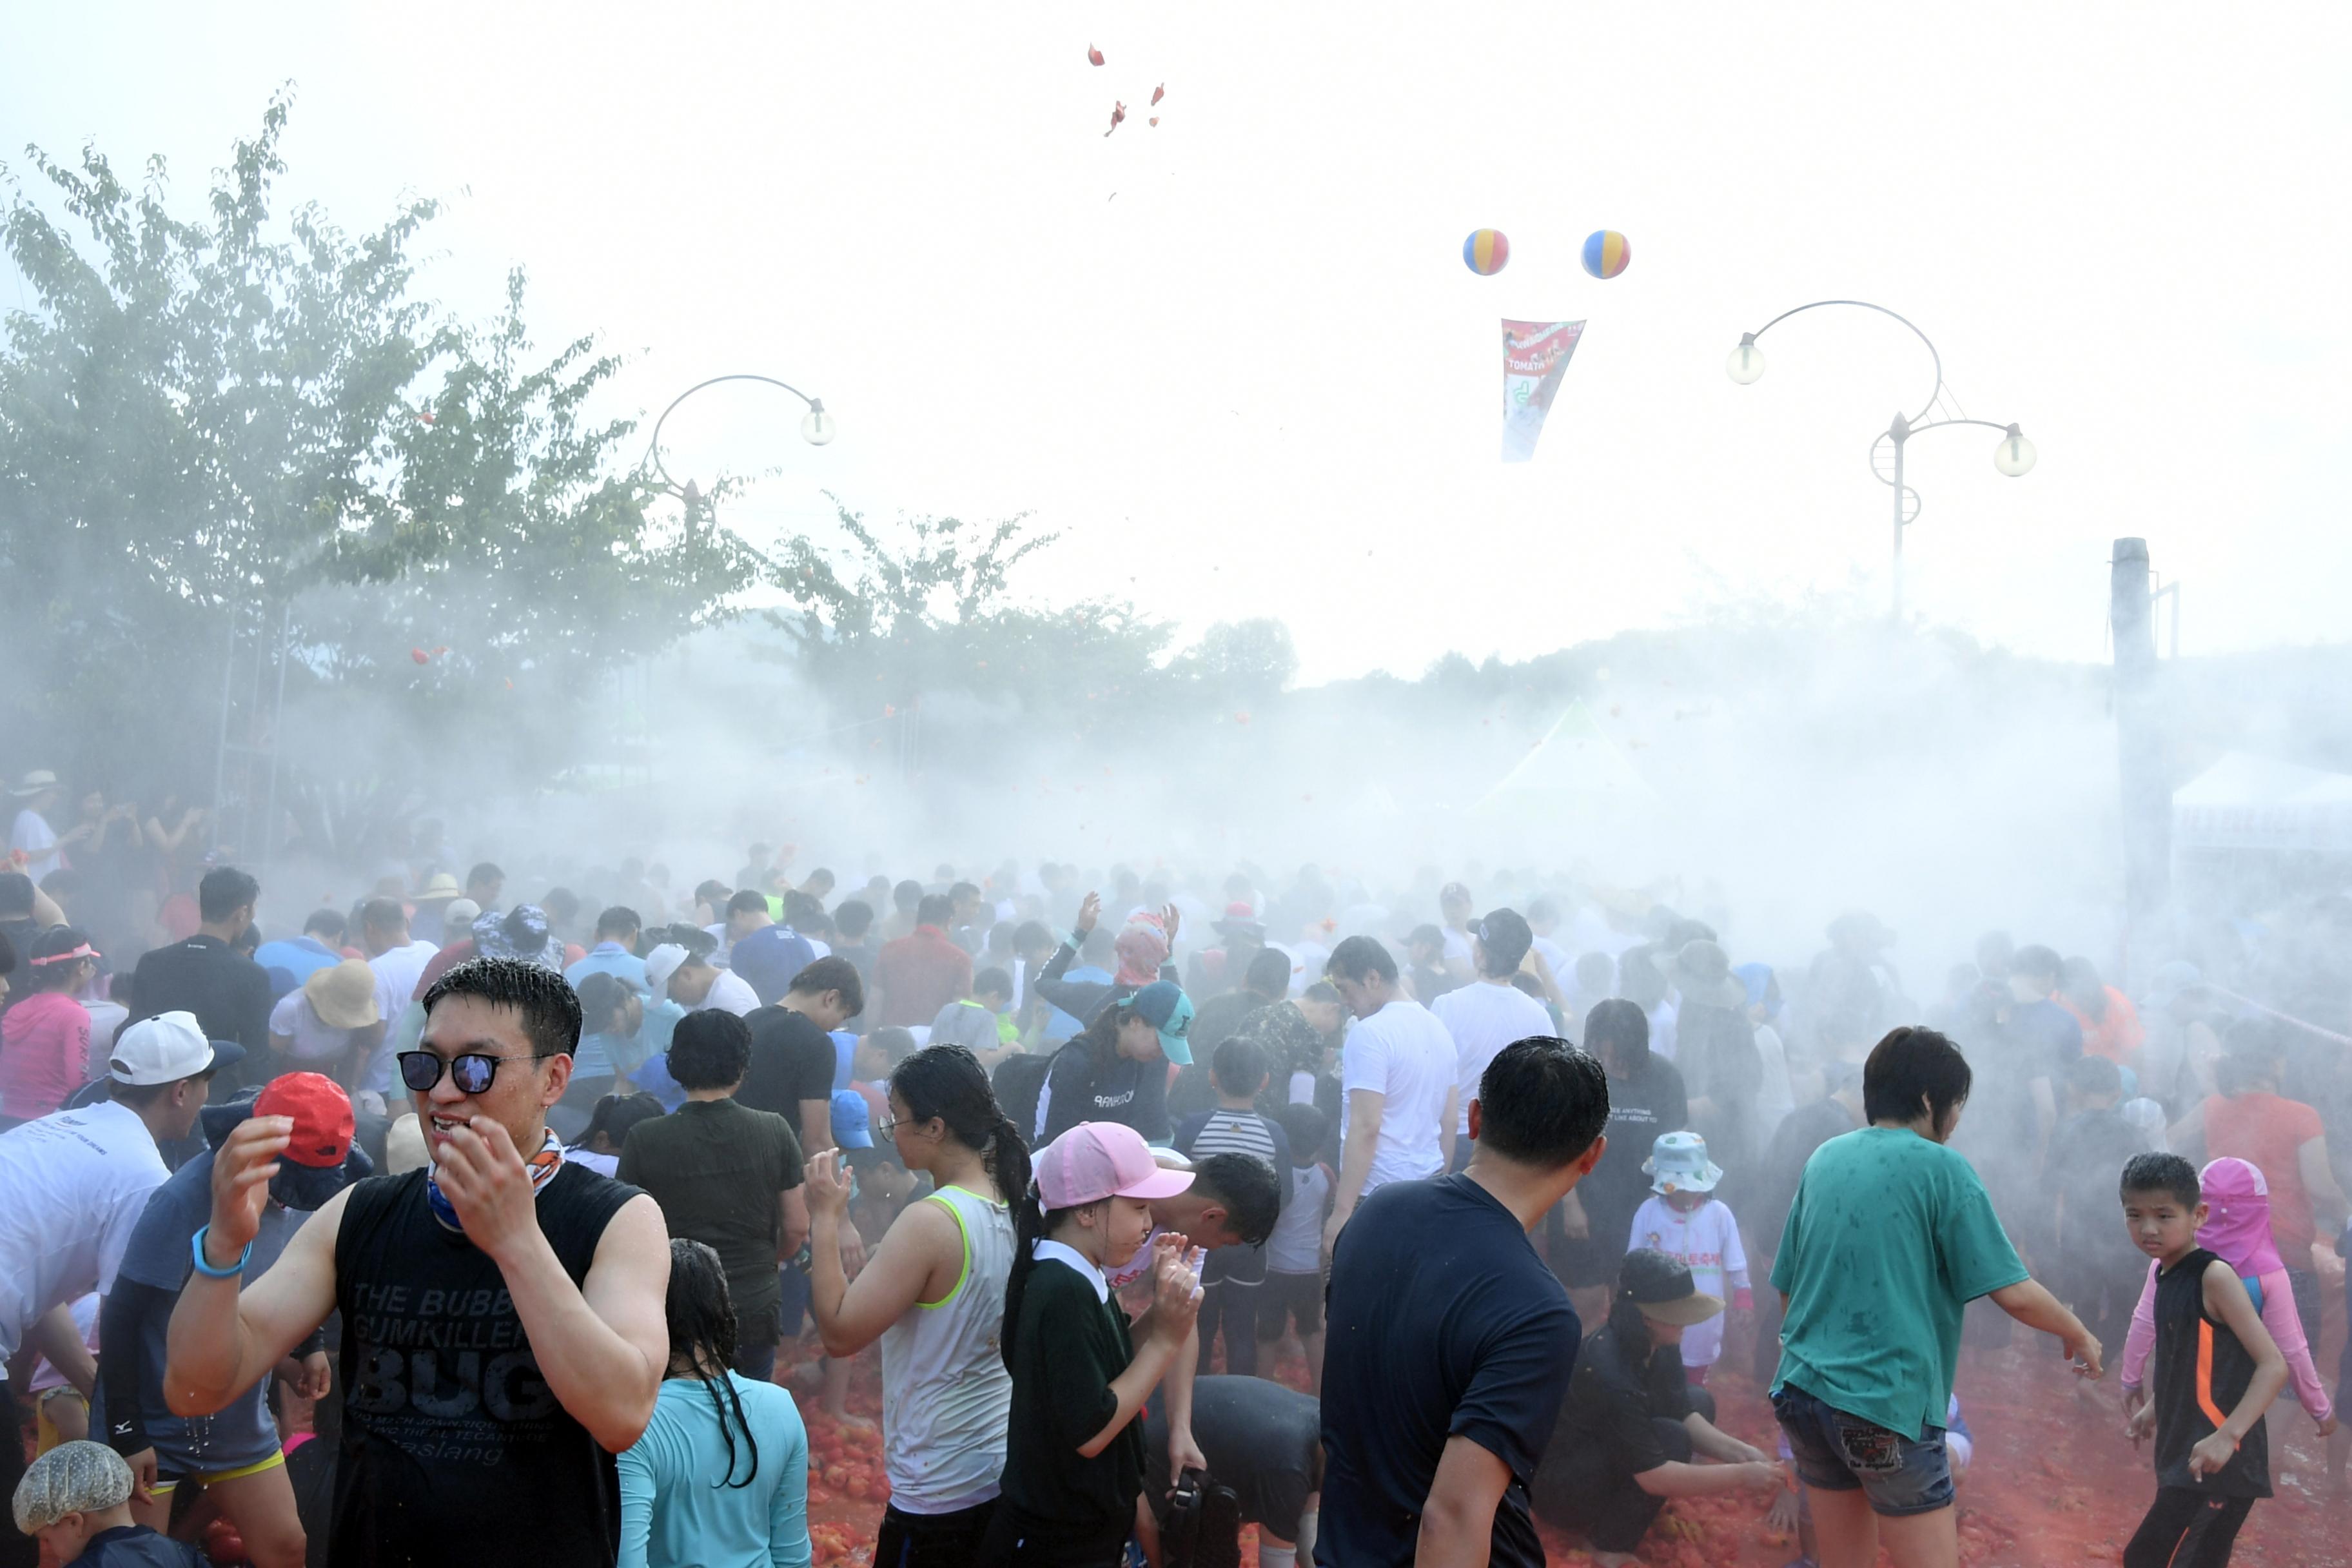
[[473, 1072], [887, 1126]]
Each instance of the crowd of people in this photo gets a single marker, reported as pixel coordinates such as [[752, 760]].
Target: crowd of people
[[439, 1223]]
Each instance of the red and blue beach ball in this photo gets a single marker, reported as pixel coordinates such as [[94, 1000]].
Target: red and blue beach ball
[[1606, 253], [1486, 251]]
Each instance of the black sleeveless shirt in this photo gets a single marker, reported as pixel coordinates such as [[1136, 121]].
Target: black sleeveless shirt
[[454, 1449], [2199, 1373]]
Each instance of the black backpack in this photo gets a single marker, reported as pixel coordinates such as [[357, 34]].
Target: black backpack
[[1204, 1524]]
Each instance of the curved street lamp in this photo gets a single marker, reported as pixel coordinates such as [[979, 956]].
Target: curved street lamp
[[817, 427], [2014, 455]]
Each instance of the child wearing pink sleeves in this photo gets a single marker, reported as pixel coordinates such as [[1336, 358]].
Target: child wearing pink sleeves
[[2238, 1231]]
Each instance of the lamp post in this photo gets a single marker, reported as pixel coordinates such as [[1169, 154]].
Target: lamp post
[[816, 426], [2014, 455]]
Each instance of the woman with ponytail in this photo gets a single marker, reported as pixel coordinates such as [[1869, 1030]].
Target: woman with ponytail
[[934, 1293], [720, 1477]]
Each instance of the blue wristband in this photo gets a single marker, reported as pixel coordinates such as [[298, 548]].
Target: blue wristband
[[196, 1250]]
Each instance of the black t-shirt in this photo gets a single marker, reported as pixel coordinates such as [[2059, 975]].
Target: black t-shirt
[[228, 993], [453, 1444], [718, 1168], [1649, 1102], [1259, 1438], [2199, 1366], [1443, 1320], [1081, 1087], [792, 1060], [1610, 1406], [1800, 1132], [2087, 1157]]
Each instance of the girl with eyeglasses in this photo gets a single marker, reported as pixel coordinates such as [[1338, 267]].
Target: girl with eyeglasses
[[934, 1293]]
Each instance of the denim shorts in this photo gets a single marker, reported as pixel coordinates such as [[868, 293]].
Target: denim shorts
[[1840, 1453]]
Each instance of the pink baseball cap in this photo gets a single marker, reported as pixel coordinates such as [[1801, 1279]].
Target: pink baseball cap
[[1098, 1160]]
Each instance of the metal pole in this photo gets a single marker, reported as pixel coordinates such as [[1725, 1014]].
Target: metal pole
[[2146, 792], [277, 728], [1901, 432]]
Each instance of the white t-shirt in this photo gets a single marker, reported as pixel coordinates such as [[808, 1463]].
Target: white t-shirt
[[729, 993], [32, 835], [314, 1040], [72, 1187], [397, 970], [1482, 1018], [1404, 1053], [1706, 1240], [1563, 968], [1306, 961]]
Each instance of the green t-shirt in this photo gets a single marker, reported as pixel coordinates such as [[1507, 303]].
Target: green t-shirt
[[1890, 1236]]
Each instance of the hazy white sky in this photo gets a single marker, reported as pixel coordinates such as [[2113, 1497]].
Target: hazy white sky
[[1261, 382]]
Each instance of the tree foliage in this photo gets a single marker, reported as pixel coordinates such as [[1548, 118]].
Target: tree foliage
[[240, 414]]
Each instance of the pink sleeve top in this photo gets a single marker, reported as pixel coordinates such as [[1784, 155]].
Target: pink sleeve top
[[2279, 1316], [44, 1054]]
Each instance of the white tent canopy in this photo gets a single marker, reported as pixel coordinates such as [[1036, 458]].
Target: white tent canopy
[[1576, 771], [2248, 801]]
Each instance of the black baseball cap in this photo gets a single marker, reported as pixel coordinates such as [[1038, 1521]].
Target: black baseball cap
[[1506, 937], [1661, 1286]]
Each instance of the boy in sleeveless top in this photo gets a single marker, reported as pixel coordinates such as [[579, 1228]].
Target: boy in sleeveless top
[[2212, 1356], [504, 1334]]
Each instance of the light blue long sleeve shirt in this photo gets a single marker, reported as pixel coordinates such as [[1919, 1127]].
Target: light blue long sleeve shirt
[[673, 1516]]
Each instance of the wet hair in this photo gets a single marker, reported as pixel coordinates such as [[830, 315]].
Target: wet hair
[[601, 996], [936, 910], [618, 921], [1426, 936], [821, 874], [713, 891], [1304, 1125], [549, 1008], [383, 914], [1358, 958], [991, 980], [748, 902], [562, 905], [15, 893], [1247, 1189], [2094, 1075], [1268, 973], [1321, 991], [1542, 908], [854, 918], [1237, 1066], [484, 873], [617, 1113], [801, 908], [831, 974], [223, 892], [2168, 1176], [1910, 1069], [7, 956], [325, 922], [961, 892], [1542, 1103], [711, 1049], [908, 894], [948, 1082], [1617, 1030], [702, 1332], [1031, 1223]]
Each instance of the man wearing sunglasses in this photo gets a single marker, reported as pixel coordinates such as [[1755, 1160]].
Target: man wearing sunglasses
[[503, 1326]]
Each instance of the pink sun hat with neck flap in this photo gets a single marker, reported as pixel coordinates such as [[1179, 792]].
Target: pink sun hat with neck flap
[[1099, 1160]]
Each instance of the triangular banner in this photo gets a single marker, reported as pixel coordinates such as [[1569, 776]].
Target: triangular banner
[[1535, 357]]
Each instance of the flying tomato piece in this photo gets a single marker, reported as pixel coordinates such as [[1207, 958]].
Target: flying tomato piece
[[1155, 120], [420, 656], [1094, 55], [1159, 92], [1117, 113]]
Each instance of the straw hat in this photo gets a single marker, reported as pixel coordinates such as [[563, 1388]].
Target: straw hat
[[34, 783], [343, 995], [441, 885]]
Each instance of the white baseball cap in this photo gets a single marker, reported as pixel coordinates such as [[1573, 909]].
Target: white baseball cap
[[166, 1048], [660, 964]]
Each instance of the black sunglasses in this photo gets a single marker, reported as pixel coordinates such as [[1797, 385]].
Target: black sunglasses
[[473, 1072]]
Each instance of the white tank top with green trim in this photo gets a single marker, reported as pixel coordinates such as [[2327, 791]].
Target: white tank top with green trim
[[945, 1392]]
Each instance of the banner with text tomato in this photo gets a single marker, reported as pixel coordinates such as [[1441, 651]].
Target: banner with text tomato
[[1534, 358]]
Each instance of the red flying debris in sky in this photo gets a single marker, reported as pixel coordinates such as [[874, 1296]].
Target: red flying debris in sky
[[1094, 55], [1117, 113]]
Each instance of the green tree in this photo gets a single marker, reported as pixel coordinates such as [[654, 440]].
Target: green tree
[[236, 415]]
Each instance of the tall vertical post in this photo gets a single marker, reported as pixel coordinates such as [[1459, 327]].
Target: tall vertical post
[[2146, 788], [1901, 431]]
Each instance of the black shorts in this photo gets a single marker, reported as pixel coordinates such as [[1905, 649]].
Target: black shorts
[[1286, 1296], [932, 1540]]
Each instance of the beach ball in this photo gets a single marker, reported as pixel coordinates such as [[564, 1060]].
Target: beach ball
[[1606, 253], [1486, 251]]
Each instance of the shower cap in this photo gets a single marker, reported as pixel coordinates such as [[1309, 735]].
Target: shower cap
[[72, 1477]]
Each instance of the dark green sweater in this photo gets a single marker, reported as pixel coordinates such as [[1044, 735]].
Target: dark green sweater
[[1067, 1349]]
